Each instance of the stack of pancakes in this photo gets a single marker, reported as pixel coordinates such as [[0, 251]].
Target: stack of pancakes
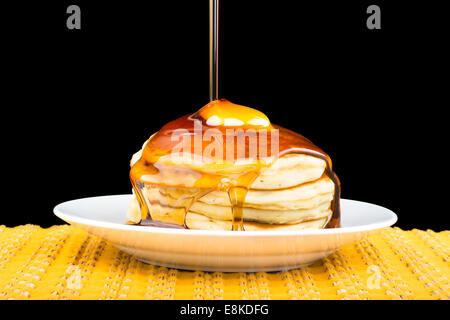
[[293, 193]]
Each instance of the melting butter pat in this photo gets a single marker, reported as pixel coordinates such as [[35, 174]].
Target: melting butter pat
[[224, 113]]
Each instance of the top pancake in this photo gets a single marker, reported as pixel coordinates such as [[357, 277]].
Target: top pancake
[[287, 171]]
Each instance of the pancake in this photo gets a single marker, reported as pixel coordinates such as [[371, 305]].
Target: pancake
[[198, 221], [161, 211], [305, 196], [288, 171], [261, 215], [134, 212]]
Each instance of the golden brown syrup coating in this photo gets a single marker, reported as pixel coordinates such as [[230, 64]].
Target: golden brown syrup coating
[[198, 153]]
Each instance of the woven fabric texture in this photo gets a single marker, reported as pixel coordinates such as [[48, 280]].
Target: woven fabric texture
[[63, 262]]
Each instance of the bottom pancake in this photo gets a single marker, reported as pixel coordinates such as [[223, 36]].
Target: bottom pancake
[[208, 221], [201, 222], [263, 216]]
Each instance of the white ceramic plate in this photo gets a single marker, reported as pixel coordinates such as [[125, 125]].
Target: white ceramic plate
[[228, 251]]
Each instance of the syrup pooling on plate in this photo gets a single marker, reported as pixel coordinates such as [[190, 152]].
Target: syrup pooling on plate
[[223, 146]]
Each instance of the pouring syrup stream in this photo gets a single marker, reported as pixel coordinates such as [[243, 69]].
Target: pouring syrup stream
[[213, 49]]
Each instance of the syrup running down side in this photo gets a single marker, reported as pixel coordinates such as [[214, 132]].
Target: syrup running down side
[[222, 147]]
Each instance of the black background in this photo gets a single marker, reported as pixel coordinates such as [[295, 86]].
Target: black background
[[76, 104]]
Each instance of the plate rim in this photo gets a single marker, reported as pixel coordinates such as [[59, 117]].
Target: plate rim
[[221, 233]]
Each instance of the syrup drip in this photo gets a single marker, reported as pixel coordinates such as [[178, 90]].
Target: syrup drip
[[175, 185]]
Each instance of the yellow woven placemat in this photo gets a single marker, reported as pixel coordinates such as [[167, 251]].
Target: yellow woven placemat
[[63, 262]]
